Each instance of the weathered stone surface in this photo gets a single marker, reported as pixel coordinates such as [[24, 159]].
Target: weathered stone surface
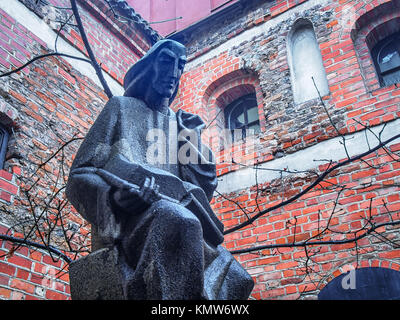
[[96, 277]]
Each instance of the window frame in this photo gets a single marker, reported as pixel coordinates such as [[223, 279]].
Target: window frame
[[375, 52], [237, 103]]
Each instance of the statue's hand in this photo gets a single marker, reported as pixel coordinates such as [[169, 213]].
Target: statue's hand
[[137, 200], [149, 191]]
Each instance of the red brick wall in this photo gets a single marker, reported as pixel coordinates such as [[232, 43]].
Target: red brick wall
[[28, 274], [52, 92], [355, 101], [45, 105], [308, 216], [349, 92]]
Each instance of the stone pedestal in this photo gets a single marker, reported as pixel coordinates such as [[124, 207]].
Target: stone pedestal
[[96, 276]]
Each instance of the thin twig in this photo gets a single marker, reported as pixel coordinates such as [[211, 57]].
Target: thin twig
[[6, 74], [315, 243]]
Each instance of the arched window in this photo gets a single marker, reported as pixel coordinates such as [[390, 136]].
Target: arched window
[[234, 104], [242, 116], [3, 145], [386, 56], [305, 61], [375, 35]]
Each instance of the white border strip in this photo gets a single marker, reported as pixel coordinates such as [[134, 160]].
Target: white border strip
[[38, 27], [307, 159]]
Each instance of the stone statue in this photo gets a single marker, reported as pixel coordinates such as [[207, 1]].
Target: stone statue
[[155, 235]]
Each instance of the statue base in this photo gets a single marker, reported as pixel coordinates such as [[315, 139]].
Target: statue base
[[97, 276], [104, 275]]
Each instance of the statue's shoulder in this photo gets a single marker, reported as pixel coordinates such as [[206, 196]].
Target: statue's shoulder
[[117, 103]]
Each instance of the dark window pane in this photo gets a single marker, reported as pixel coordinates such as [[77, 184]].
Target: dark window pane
[[242, 114], [391, 78], [386, 56], [252, 114], [255, 127], [240, 119], [3, 145]]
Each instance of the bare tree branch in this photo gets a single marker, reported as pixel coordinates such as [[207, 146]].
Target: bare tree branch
[[89, 49], [315, 183]]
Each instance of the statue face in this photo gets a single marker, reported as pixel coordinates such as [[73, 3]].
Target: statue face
[[168, 68]]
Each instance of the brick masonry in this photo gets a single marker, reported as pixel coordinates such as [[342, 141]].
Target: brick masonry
[[50, 102], [253, 49], [44, 105], [27, 274]]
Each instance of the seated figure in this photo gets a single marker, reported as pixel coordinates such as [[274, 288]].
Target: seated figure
[[144, 203]]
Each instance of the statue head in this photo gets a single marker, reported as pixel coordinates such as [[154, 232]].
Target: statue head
[[158, 72]]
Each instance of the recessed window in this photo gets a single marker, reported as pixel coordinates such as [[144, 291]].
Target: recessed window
[[241, 116], [308, 74], [386, 56], [3, 145]]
